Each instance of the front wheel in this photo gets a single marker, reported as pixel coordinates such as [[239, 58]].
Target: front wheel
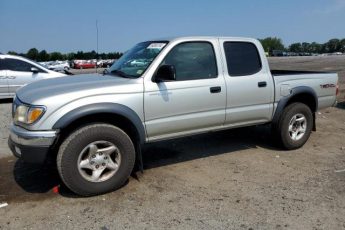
[[295, 125], [96, 159]]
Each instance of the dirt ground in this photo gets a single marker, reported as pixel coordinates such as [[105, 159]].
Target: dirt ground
[[236, 179]]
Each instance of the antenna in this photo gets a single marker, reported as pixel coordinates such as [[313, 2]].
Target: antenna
[[96, 43]]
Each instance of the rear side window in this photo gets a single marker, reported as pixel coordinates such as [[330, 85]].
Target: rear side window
[[242, 58]]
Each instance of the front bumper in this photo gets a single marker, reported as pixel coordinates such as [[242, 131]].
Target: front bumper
[[31, 146], [335, 103]]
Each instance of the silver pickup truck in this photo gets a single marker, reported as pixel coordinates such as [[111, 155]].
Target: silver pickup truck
[[94, 125]]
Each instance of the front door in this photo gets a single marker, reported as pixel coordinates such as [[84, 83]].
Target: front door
[[195, 101]]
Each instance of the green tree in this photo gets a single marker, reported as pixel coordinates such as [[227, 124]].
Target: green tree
[[295, 47], [32, 54], [315, 47], [272, 43], [79, 55], [55, 56], [70, 56], [333, 45], [342, 45], [306, 47], [12, 53], [43, 56]]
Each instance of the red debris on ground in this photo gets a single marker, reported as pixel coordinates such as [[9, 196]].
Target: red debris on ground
[[56, 189]]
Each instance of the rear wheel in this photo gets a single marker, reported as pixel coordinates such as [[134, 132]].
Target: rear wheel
[[96, 159], [295, 125]]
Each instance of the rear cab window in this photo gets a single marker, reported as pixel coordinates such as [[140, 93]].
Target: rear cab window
[[242, 58]]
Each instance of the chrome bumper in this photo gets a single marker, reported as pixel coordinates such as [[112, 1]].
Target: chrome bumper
[[32, 138], [335, 103], [31, 146]]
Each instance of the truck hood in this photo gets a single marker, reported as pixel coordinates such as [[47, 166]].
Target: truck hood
[[72, 87]]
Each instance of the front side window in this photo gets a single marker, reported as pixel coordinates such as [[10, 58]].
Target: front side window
[[242, 58], [192, 61], [16, 65], [136, 60]]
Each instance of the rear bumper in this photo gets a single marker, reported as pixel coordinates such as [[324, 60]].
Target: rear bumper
[[31, 146]]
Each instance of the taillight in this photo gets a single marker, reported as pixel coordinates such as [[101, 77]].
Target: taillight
[[337, 90]]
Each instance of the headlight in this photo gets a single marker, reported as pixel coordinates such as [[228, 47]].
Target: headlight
[[28, 114]]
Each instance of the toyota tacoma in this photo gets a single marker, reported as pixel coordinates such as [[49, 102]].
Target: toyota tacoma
[[95, 125]]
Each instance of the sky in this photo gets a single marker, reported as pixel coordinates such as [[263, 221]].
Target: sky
[[68, 26]]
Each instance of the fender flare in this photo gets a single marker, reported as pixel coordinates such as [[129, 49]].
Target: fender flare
[[294, 91], [113, 108]]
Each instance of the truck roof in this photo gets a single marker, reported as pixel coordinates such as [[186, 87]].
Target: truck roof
[[202, 37]]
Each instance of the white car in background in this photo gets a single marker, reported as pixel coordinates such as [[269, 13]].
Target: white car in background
[[59, 66], [16, 71]]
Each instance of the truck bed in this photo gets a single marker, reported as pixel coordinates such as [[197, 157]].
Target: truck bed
[[323, 84]]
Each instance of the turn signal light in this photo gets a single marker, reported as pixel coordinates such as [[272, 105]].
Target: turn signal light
[[34, 114]]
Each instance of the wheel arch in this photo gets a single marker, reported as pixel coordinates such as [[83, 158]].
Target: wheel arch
[[116, 114], [302, 94]]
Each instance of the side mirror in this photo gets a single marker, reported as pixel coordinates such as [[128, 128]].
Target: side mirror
[[34, 70], [165, 73]]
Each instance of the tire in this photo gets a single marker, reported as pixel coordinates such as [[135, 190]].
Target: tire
[[79, 147], [294, 126]]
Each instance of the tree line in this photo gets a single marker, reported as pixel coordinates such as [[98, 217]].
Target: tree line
[[332, 46], [43, 55], [269, 44]]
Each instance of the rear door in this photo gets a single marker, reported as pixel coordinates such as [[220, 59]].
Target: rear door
[[192, 103], [250, 87], [3, 80]]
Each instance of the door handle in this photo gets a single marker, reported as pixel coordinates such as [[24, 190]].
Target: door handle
[[215, 89], [262, 84]]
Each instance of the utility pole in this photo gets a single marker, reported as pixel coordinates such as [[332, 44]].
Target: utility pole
[[97, 44]]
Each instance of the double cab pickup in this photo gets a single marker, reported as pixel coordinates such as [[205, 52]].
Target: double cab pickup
[[95, 125]]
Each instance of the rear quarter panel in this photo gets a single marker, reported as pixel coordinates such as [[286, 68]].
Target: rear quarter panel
[[323, 84]]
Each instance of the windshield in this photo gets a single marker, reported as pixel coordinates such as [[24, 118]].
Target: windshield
[[136, 60]]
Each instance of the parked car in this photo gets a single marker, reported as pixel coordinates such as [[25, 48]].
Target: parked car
[[45, 63], [189, 85], [105, 63], [84, 65], [59, 66], [16, 71], [138, 62]]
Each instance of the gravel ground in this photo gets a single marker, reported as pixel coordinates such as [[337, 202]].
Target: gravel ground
[[234, 179], [5, 120]]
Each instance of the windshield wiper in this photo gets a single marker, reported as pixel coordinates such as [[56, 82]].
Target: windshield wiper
[[121, 73]]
